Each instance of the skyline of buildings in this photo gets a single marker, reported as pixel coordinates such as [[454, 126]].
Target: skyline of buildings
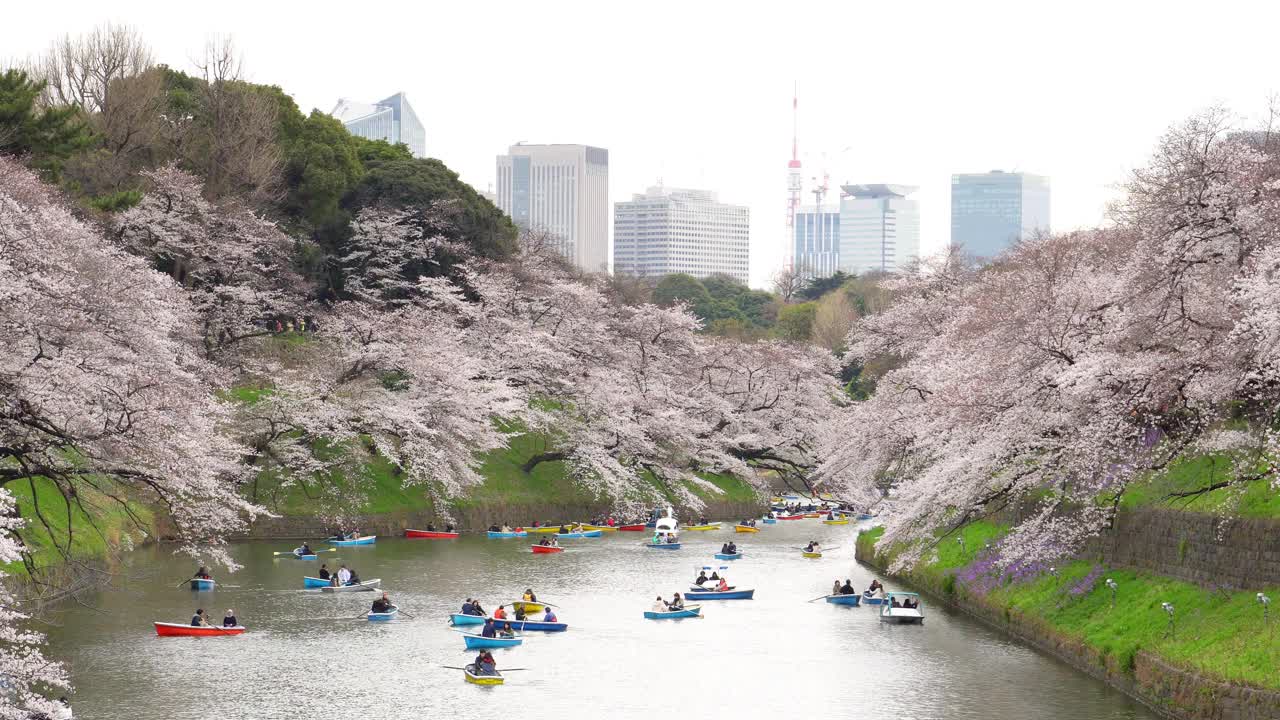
[[563, 190], [681, 230], [391, 119], [992, 211], [879, 227]]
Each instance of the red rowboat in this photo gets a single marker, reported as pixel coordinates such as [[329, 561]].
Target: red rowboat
[[164, 629], [790, 517], [430, 534], [547, 549], [633, 528]]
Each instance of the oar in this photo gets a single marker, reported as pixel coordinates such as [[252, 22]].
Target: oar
[[402, 612], [366, 612], [820, 597], [184, 582]]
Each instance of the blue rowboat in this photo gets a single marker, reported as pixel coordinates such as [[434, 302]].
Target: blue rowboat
[[366, 540], [770, 521], [383, 617], [729, 556], [534, 625], [475, 641], [663, 546], [494, 534], [844, 599], [201, 584], [314, 582], [869, 600], [726, 595], [691, 611], [296, 556], [460, 619], [864, 516]]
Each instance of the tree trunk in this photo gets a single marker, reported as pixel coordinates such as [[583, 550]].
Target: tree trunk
[[540, 458]]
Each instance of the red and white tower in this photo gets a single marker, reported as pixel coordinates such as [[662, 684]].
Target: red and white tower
[[793, 184]]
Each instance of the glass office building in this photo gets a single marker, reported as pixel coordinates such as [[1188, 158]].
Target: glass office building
[[879, 228], [990, 212], [816, 252], [391, 119]]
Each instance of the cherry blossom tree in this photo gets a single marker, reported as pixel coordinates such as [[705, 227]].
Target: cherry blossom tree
[[1076, 363], [235, 264], [104, 396]]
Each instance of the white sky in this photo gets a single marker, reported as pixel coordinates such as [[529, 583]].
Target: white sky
[[699, 92]]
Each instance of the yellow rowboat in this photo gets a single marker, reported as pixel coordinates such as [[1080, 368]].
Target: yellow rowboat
[[841, 521], [813, 515], [549, 530], [529, 607], [708, 526], [811, 554], [745, 528], [481, 679], [605, 528]]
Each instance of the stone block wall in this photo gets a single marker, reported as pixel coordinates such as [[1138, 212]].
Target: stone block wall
[[1203, 549]]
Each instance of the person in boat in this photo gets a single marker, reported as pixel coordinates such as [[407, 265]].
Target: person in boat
[[893, 602], [714, 575], [702, 577], [485, 664], [723, 585], [202, 574], [835, 587], [563, 530], [431, 528], [302, 549], [677, 602], [724, 549], [520, 613], [381, 605], [702, 520], [500, 613], [466, 607], [506, 631], [529, 596], [660, 605], [476, 609], [324, 572], [229, 619], [489, 630], [199, 620], [448, 528], [506, 528], [733, 548], [553, 542], [494, 528], [875, 585], [811, 547], [343, 576], [355, 534], [549, 616], [355, 578], [847, 588], [911, 603]]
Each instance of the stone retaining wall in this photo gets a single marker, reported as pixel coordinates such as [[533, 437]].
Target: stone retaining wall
[[1204, 549], [473, 518]]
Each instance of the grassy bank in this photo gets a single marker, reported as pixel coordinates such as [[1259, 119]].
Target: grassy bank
[[88, 531], [1217, 633], [1253, 500]]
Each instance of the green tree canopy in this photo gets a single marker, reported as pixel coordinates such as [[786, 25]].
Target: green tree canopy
[[679, 287], [815, 288], [322, 165], [49, 135], [795, 322]]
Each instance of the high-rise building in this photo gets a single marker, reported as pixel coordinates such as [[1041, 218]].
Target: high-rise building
[[564, 191], [816, 250], [391, 119], [879, 228], [992, 211], [670, 230]]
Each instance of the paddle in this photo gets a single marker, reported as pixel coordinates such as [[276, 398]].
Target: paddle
[[402, 612], [820, 597], [184, 582], [455, 667], [366, 612]]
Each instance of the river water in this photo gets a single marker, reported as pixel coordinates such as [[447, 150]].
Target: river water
[[774, 655]]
